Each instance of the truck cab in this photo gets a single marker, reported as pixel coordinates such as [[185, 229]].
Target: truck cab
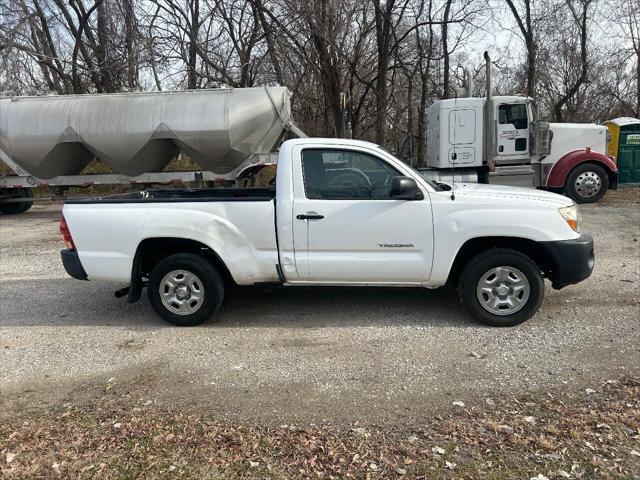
[[515, 149], [456, 131]]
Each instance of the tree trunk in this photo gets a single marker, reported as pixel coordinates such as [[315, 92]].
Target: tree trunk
[[130, 43], [105, 84], [531, 67], [422, 123], [383, 16], [270, 41], [328, 63], [192, 60], [410, 118], [637, 115], [528, 35]]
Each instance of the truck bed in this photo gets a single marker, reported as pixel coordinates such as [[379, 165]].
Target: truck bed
[[184, 195], [236, 223]]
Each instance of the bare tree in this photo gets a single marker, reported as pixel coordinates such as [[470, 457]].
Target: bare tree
[[389, 58], [626, 16], [524, 19], [425, 50], [580, 16]]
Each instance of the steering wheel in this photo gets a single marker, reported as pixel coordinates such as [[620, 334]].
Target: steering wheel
[[352, 178]]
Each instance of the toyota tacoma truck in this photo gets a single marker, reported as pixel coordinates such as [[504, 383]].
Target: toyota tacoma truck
[[342, 212]]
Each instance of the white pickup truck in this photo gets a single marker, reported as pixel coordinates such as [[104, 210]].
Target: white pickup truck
[[343, 212]]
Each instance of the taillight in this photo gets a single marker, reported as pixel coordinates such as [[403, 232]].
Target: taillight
[[66, 234]]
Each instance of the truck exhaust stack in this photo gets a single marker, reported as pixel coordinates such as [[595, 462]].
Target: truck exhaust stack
[[488, 120]]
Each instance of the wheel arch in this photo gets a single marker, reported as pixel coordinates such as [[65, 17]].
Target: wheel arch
[[564, 166], [150, 251], [474, 246]]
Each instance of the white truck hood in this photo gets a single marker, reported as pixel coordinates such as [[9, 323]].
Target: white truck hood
[[574, 136], [501, 192]]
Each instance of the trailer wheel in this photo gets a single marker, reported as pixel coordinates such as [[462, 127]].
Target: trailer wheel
[[185, 289], [14, 208], [501, 287], [586, 183]]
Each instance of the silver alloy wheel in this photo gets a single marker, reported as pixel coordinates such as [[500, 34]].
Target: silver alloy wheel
[[588, 184], [503, 290], [181, 292]]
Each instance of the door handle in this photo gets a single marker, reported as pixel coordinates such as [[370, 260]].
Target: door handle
[[310, 216]]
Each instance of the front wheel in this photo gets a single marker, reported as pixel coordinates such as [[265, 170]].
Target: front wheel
[[587, 183], [501, 287], [185, 289]]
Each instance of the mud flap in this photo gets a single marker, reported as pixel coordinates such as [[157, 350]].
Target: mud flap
[[135, 289]]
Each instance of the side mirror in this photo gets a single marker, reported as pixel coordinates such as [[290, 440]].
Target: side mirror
[[405, 188]]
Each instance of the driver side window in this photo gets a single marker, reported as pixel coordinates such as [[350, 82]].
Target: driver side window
[[514, 114], [333, 174]]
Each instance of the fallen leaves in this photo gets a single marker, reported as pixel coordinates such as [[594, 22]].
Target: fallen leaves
[[505, 429], [539, 477], [400, 471], [549, 437]]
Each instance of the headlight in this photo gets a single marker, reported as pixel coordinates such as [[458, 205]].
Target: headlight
[[571, 215]]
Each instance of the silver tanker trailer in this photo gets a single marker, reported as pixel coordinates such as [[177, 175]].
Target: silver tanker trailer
[[48, 141]]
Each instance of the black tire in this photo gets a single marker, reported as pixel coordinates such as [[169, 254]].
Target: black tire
[[206, 274], [15, 208], [573, 190], [475, 271]]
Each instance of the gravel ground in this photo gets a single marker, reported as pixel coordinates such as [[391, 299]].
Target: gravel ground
[[309, 355]]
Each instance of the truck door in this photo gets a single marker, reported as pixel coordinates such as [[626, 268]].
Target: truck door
[[347, 229], [512, 133]]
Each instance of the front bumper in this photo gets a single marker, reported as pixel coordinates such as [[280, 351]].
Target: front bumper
[[573, 260], [71, 263]]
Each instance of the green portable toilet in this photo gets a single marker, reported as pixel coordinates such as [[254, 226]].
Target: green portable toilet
[[624, 143]]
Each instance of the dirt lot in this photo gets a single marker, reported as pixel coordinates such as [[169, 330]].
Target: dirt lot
[[300, 382], [310, 355]]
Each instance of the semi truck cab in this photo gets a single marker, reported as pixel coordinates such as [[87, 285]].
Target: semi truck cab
[[568, 158], [505, 145]]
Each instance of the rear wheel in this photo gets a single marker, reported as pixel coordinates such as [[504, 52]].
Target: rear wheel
[[587, 183], [14, 208], [501, 287], [185, 289]]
